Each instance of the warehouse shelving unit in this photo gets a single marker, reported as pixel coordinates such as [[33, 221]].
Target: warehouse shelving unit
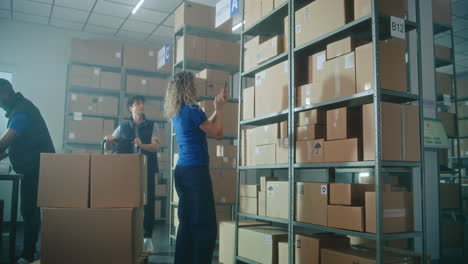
[[196, 65], [373, 27]]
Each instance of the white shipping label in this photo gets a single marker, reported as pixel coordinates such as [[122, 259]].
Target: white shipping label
[[97, 71], [406, 57], [274, 42], [71, 135], [298, 28], [286, 66], [349, 61], [397, 27], [268, 240], [307, 100], [90, 108], [394, 213], [77, 116], [144, 82], [447, 100], [118, 55], [100, 99], [151, 53], [74, 97], [257, 151], [324, 189], [321, 62]]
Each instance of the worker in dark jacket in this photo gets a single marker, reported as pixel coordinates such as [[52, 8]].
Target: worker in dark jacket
[[26, 137]]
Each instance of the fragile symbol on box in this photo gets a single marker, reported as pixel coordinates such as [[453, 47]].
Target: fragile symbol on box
[[323, 189], [270, 190]]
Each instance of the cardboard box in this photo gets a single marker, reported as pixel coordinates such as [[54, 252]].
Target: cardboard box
[[364, 256], [444, 83], [107, 105], [224, 183], [249, 190], [343, 123], [251, 49], [264, 180], [308, 247], [345, 150], [262, 204], [222, 52], [226, 26], [137, 57], [226, 239], [270, 48], [339, 77], [321, 17], [316, 66], [189, 13], [249, 147], [283, 253], [64, 180], [282, 151], [397, 212], [442, 12], [160, 189], [252, 12], [392, 66], [118, 181], [195, 49], [311, 93], [304, 133], [267, 134], [86, 129], [81, 235], [277, 199], [248, 205], [271, 85], [449, 195], [311, 203], [260, 244], [312, 117], [215, 80], [248, 103], [346, 217], [96, 52], [341, 47], [462, 88], [310, 151], [451, 233], [267, 7], [81, 103], [110, 81], [283, 130], [443, 52], [411, 133], [349, 193], [396, 8], [83, 76], [392, 142]]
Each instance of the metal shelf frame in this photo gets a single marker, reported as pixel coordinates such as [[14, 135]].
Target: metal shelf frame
[[373, 27]]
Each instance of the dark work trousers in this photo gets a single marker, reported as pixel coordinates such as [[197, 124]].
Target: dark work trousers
[[148, 221], [196, 236], [30, 212]]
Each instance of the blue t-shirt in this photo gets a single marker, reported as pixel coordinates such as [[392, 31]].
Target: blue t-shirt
[[193, 148], [18, 122]]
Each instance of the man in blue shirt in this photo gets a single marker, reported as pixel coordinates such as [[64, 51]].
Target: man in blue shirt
[[27, 136]]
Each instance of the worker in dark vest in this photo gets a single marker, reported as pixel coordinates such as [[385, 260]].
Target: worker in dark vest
[[144, 137], [26, 137]]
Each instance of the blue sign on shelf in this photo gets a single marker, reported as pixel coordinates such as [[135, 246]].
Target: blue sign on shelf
[[234, 7]]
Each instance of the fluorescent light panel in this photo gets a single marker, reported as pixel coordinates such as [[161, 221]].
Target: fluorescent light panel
[[137, 6]]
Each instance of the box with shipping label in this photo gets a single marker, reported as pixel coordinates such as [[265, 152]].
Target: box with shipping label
[[312, 117], [311, 93], [84, 76], [96, 52], [270, 48], [282, 151], [190, 13], [316, 66], [277, 199], [118, 181], [346, 217], [397, 212], [442, 12], [248, 205], [260, 244], [215, 80], [310, 151], [107, 105], [312, 203], [84, 129], [271, 85], [343, 123], [396, 8], [307, 247], [224, 182], [311, 132], [264, 180], [137, 57], [344, 150], [349, 193], [195, 48], [64, 180], [339, 77], [84, 235], [82, 103]]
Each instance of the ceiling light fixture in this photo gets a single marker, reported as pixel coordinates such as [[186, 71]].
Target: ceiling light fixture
[[137, 6]]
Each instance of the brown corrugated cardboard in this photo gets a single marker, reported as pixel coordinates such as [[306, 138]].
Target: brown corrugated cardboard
[[137, 57], [267, 6], [363, 256], [341, 47], [224, 182], [343, 123], [226, 239], [346, 217], [451, 233], [126, 172], [394, 8], [339, 79], [64, 180], [311, 93], [311, 203], [283, 253], [349, 193], [137, 84], [251, 49], [222, 52], [248, 103], [249, 190], [392, 66], [264, 180], [397, 212], [449, 195], [82, 103], [442, 12], [444, 83], [462, 88], [443, 52], [277, 199], [260, 244], [270, 48], [195, 48], [282, 151], [271, 85], [267, 134], [200, 86], [91, 236], [317, 131], [249, 146], [283, 128], [309, 151], [85, 129], [110, 80], [189, 13], [316, 66], [96, 52], [411, 133], [262, 204], [248, 205], [308, 246], [344, 150], [252, 12], [83, 76], [321, 17], [215, 80], [107, 105], [312, 117], [392, 142], [230, 113]]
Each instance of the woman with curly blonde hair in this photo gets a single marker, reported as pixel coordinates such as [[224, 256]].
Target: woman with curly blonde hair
[[196, 236]]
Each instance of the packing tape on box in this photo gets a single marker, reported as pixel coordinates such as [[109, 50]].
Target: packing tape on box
[[394, 213]]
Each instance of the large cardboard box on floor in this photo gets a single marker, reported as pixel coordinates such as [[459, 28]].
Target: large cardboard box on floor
[[195, 48], [312, 202], [442, 12], [252, 12], [96, 52], [84, 76], [64, 180], [260, 244], [189, 13], [449, 195], [343, 123], [118, 181], [346, 217], [91, 236], [310, 151], [321, 17], [271, 85], [349, 193], [224, 182], [248, 103], [392, 66], [308, 246], [393, 8], [397, 212], [137, 57], [226, 239], [270, 48], [277, 199], [344, 150]]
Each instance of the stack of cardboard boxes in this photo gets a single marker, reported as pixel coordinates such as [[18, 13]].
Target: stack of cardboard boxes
[[256, 9], [92, 208]]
